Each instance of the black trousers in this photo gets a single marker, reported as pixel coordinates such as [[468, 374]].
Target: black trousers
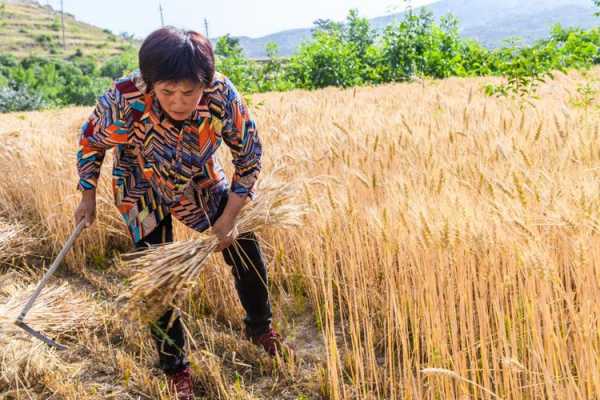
[[250, 274]]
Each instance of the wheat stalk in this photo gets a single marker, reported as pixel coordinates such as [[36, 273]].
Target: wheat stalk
[[14, 241], [451, 374]]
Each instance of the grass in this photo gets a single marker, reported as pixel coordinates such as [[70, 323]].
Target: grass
[[453, 253]]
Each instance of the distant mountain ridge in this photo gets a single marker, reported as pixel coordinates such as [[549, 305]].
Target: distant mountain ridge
[[488, 21], [26, 27]]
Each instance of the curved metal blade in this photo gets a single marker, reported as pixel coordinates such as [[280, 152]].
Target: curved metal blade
[[39, 335]]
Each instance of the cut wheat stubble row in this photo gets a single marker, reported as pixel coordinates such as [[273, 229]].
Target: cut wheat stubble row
[[57, 311]]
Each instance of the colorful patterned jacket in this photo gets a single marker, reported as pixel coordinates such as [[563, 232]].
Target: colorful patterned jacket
[[159, 169]]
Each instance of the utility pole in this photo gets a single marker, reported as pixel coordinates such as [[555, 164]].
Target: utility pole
[[162, 17], [206, 27], [62, 22]]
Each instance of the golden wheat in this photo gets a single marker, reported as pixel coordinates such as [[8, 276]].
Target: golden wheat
[[397, 269]]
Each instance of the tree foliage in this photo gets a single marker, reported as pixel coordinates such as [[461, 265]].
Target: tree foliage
[[338, 54]]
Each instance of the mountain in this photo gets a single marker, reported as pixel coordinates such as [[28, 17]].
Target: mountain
[[28, 28], [488, 21]]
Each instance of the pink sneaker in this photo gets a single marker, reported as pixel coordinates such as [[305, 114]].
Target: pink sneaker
[[181, 385], [270, 341]]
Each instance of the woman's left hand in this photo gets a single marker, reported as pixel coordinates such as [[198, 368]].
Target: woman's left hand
[[222, 230]]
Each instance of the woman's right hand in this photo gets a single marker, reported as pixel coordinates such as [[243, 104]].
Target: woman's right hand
[[87, 208]]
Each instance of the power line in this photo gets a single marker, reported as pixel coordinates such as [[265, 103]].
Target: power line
[[62, 22], [162, 17]]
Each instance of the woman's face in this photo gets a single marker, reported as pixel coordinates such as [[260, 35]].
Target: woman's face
[[178, 99]]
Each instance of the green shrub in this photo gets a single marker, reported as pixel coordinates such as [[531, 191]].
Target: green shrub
[[56, 25], [44, 39], [120, 65], [20, 99]]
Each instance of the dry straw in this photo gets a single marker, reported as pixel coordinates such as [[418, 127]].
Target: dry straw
[[59, 311], [453, 375], [164, 271], [14, 241]]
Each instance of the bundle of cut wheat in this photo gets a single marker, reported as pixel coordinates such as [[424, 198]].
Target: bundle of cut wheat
[[58, 311], [163, 271]]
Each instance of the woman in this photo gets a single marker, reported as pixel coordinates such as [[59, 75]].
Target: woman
[[165, 123]]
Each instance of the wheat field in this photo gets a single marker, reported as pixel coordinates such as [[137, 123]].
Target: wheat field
[[453, 252]]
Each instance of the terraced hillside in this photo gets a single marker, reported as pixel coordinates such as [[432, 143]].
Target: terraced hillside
[[28, 28]]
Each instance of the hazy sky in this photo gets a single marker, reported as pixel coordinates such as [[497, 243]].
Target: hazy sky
[[252, 18]]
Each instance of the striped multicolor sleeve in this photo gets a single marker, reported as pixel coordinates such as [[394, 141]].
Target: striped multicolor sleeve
[[240, 134], [104, 128]]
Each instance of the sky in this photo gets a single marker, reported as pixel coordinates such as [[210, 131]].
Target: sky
[[252, 18]]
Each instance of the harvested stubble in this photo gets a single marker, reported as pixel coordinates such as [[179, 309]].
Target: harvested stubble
[[164, 271], [59, 311]]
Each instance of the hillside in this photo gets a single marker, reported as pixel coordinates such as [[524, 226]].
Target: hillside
[[27, 28], [488, 21]]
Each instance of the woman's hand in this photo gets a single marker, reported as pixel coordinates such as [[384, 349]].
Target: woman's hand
[[222, 228], [87, 208], [224, 224]]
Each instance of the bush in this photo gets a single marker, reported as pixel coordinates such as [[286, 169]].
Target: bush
[[326, 61], [21, 99], [56, 25], [44, 39], [231, 61], [58, 82], [120, 65], [8, 61]]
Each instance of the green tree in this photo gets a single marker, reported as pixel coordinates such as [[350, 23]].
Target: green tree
[[326, 25], [228, 46], [476, 59], [232, 62], [327, 60], [270, 74], [358, 33], [120, 65], [338, 55], [443, 58], [404, 46], [524, 69]]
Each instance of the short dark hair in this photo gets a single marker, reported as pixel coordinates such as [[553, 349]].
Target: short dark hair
[[172, 54]]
